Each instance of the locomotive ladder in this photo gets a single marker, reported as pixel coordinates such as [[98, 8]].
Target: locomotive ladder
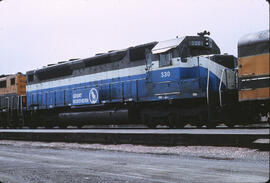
[[8, 112], [20, 110], [219, 88], [207, 86]]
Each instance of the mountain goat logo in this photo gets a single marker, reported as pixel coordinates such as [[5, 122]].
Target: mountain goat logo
[[93, 96]]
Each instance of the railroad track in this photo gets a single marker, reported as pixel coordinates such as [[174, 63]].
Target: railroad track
[[251, 138], [222, 126]]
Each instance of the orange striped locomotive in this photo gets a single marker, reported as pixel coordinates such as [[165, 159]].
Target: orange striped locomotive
[[12, 100], [253, 74]]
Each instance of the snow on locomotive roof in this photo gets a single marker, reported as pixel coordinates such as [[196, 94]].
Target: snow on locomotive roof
[[253, 38], [164, 46]]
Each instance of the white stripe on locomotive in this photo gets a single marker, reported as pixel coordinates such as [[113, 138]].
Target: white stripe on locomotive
[[215, 68]]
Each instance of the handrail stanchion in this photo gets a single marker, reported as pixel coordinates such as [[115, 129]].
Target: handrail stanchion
[[219, 88], [207, 86]]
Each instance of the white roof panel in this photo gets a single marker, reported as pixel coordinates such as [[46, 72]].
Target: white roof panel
[[164, 46], [254, 38]]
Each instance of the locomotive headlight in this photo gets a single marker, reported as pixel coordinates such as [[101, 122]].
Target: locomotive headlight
[[206, 42]]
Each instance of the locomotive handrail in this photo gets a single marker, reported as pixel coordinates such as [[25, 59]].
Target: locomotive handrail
[[248, 74], [7, 102], [21, 104], [219, 88], [18, 104], [207, 86]]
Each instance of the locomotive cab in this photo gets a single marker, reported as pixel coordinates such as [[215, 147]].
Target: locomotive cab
[[184, 47], [191, 73], [180, 48]]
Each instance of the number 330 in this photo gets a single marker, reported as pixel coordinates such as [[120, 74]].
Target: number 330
[[165, 74]]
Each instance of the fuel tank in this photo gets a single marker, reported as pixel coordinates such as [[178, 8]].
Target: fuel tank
[[119, 116]]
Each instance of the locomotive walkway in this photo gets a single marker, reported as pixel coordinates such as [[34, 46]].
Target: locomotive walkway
[[252, 138]]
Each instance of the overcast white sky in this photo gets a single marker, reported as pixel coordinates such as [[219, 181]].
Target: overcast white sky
[[34, 33]]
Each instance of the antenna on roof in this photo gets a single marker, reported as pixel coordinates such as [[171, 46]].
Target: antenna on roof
[[202, 34]]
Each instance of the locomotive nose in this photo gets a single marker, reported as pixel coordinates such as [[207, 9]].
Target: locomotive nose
[[228, 61]]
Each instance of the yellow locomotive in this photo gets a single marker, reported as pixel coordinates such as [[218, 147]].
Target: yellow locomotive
[[12, 99], [253, 73]]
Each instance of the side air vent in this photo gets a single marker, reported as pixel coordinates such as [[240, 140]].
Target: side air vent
[[54, 72]]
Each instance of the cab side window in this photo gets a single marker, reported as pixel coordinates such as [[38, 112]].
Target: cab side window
[[165, 59], [3, 84], [148, 57], [12, 81], [185, 52]]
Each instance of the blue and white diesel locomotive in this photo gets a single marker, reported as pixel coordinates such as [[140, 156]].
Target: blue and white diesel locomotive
[[174, 82]]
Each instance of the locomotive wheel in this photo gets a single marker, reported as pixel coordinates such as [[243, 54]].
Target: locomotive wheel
[[151, 125], [171, 121], [48, 126], [32, 125], [12, 126], [203, 119], [4, 125], [199, 125], [63, 126], [180, 125], [148, 121], [79, 126], [171, 126], [211, 125], [229, 124]]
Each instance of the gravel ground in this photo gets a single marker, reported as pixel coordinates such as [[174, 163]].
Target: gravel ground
[[31, 162], [208, 151]]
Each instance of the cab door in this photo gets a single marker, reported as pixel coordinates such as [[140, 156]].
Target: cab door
[[162, 71], [149, 64]]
